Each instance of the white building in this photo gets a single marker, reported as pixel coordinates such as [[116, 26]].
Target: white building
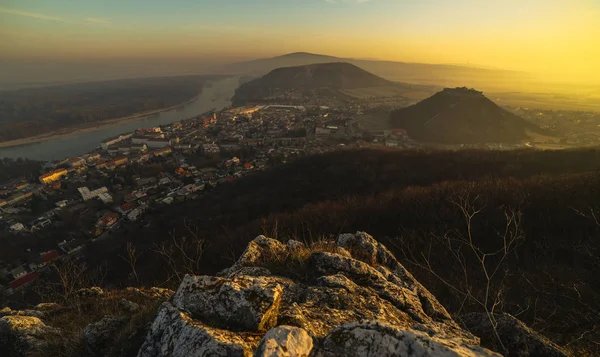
[[86, 194], [107, 143], [134, 215], [17, 227]]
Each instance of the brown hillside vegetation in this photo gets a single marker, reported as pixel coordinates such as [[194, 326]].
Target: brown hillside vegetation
[[542, 203]]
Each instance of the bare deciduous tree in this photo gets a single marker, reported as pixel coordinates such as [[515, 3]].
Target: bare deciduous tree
[[70, 275], [474, 262], [131, 258], [183, 254]]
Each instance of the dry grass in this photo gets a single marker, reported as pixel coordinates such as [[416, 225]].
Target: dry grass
[[79, 313], [294, 262]]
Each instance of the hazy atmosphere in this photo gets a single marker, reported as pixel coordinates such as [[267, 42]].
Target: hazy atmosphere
[[555, 40], [300, 178]]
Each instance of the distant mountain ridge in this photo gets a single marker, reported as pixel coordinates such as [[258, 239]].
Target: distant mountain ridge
[[462, 116], [418, 73], [304, 82], [337, 75]]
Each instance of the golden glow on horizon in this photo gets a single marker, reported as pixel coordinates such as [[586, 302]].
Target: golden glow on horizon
[[562, 46]]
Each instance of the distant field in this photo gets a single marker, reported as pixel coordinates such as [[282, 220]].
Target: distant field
[[391, 91], [548, 101]]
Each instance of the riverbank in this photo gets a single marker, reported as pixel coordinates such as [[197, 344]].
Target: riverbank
[[76, 141], [80, 129]]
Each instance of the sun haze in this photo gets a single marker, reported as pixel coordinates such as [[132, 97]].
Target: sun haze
[[556, 40]]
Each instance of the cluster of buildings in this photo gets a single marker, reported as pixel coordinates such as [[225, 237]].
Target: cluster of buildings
[[104, 190]]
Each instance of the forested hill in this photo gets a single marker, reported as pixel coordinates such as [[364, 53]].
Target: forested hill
[[462, 116]]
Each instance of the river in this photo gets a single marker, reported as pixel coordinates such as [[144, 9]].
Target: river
[[216, 95]]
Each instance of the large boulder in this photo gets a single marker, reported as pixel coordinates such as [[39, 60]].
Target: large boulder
[[242, 303], [285, 341], [22, 336], [175, 334], [518, 339]]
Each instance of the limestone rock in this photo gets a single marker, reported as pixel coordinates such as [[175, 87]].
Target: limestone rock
[[519, 340], [332, 307], [242, 303], [90, 292], [7, 311], [248, 271], [97, 336], [379, 339], [47, 306], [285, 341], [153, 293], [23, 336], [366, 248], [174, 334], [260, 248]]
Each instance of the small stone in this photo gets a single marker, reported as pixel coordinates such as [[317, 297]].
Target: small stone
[[47, 306], [129, 306], [285, 341], [90, 292]]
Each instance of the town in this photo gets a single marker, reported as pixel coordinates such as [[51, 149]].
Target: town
[[80, 200]]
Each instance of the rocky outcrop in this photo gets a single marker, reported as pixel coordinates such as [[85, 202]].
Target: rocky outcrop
[[348, 298], [175, 334], [23, 336], [95, 323], [518, 339]]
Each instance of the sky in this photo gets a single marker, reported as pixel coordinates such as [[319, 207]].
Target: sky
[[557, 39]]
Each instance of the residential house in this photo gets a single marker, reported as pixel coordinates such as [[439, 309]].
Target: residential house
[[18, 272], [76, 162], [70, 247], [163, 152], [210, 149], [17, 227], [107, 143], [108, 220], [24, 280], [53, 176], [49, 256]]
